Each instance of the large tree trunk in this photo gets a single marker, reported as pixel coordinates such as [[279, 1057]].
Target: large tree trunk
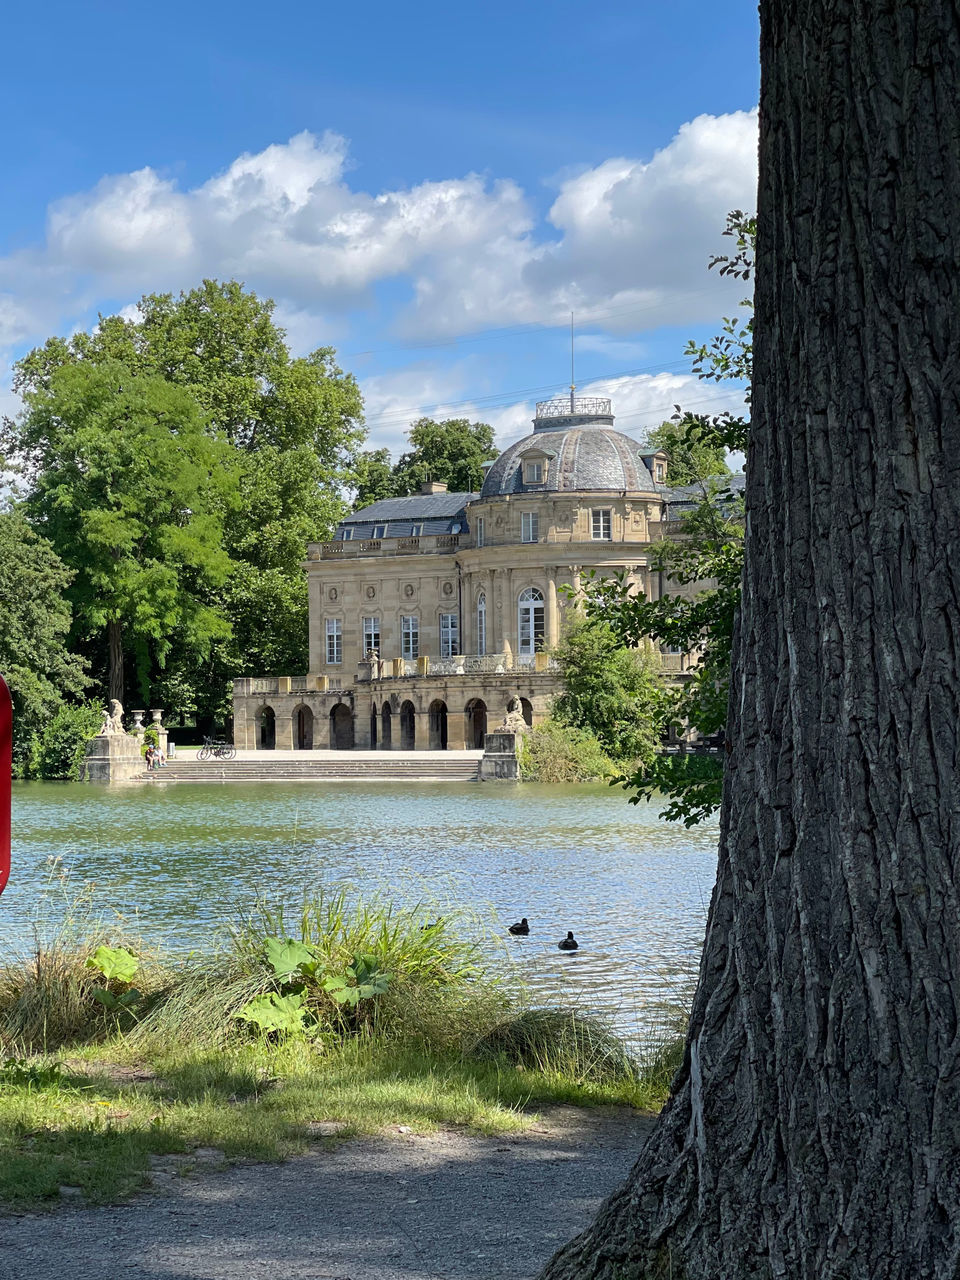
[[814, 1130], [115, 646]]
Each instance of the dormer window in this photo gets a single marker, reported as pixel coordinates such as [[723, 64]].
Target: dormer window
[[533, 472], [659, 472]]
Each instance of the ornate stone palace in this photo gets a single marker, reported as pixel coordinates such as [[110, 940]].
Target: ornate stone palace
[[430, 614]]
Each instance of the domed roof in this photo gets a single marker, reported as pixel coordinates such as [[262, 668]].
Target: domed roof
[[580, 450]]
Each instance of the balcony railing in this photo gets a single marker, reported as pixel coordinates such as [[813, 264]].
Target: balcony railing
[[430, 544], [464, 664]]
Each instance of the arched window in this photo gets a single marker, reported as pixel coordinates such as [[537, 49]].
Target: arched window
[[482, 623], [530, 620]]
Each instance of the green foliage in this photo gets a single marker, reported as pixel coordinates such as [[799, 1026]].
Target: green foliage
[[286, 957], [119, 967], [556, 752], [610, 689], [26, 1074], [34, 657], [129, 488], [689, 459], [59, 747], [115, 963], [451, 451], [362, 979], [276, 1012], [373, 478]]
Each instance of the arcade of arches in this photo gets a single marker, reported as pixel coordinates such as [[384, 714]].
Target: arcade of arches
[[421, 717]]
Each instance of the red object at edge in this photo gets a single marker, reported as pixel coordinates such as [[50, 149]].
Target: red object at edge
[[6, 775]]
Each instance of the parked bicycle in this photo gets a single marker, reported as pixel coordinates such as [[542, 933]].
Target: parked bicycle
[[218, 750]]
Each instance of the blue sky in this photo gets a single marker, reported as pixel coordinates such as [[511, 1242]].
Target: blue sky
[[429, 188]]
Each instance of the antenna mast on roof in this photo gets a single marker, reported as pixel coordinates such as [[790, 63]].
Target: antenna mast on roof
[[573, 385]]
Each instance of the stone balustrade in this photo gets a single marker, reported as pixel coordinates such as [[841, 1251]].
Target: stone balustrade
[[352, 548]]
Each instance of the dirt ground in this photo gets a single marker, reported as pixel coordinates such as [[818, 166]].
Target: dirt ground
[[446, 1206]]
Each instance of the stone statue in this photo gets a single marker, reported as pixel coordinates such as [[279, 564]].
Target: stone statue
[[112, 720], [513, 721]]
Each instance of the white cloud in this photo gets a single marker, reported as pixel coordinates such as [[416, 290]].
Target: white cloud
[[628, 237], [640, 403]]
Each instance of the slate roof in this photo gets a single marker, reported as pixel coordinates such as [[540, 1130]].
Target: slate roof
[[434, 512], [587, 457]]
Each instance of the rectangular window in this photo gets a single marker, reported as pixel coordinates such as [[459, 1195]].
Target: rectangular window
[[416, 530], [449, 634], [479, 531], [345, 534], [600, 523], [334, 640], [529, 526], [410, 638], [371, 635], [379, 530], [533, 473]]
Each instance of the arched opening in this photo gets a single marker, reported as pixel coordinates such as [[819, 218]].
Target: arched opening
[[341, 728], [374, 726], [303, 729], [267, 730], [437, 713], [475, 715], [386, 727], [530, 621], [527, 709], [408, 727]]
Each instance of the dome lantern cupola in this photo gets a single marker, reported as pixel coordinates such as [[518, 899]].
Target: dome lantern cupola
[[573, 411], [573, 448]]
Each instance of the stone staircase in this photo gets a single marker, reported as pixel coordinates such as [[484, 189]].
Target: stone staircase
[[351, 767]]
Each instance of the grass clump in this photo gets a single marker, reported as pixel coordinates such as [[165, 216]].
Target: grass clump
[[562, 1042]]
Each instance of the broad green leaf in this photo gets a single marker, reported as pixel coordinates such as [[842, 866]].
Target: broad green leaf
[[114, 962], [274, 1012], [285, 956]]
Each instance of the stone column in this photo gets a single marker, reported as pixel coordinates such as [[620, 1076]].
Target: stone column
[[283, 711], [552, 619]]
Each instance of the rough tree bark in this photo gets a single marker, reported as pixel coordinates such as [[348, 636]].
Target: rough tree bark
[[115, 659], [814, 1129]]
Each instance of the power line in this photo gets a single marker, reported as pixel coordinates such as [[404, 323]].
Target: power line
[[504, 398]]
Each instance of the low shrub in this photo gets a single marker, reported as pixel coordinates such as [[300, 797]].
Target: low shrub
[[59, 748], [555, 752]]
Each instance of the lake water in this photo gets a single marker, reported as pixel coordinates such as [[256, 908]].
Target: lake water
[[181, 858]]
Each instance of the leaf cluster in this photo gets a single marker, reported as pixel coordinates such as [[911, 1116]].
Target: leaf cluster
[[303, 977]]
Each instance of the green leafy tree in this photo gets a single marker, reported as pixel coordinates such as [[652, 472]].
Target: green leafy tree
[[36, 618], [293, 427], [610, 690], [129, 487], [689, 460], [452, 451]]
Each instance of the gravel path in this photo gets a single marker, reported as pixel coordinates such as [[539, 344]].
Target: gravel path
[[402, 1207]]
